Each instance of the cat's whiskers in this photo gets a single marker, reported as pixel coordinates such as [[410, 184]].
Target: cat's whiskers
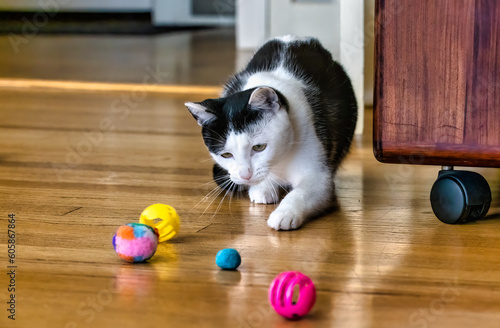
[[219, 186], [219, 180], [220, 190], [274, 171], [216, 191], [231, 193], [274, 193], [206, 160], [276, 179], [235, 188], [204, 198], [209, 183], [220, 203]]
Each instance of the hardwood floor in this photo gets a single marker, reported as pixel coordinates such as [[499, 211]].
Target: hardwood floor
[[76, 164]]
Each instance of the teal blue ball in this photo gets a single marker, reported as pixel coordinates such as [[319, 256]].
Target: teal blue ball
[[228, 259]]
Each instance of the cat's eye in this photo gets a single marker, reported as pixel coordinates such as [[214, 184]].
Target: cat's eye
[[259, 147], [227, 155]]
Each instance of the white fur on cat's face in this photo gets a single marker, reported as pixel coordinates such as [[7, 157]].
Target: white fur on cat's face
[[249, 167]]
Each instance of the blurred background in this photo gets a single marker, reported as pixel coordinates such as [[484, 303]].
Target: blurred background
[[198, 42]]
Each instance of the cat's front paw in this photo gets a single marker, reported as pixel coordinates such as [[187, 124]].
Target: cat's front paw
[[263, 194], [285, 219]]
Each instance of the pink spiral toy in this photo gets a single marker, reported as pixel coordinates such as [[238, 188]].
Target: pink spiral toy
[[281, 294]]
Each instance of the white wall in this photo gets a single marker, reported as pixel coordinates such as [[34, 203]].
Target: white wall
[[320, 19], [252, 23], [352, 41]]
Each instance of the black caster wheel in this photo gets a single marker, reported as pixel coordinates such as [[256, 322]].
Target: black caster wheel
[[460, 196]]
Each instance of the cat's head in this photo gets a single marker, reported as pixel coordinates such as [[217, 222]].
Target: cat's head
[[246, 133]]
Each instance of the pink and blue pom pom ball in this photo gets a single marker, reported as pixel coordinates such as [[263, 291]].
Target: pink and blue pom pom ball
[[135, 242]]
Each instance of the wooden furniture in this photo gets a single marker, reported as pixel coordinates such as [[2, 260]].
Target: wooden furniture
[[437, 93]]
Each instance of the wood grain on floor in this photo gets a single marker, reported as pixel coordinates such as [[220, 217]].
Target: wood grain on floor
[[77, 164]]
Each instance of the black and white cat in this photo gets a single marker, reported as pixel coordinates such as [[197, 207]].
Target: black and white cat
[[285, 121]]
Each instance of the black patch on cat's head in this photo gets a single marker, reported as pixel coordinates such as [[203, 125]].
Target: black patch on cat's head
[[232, 113]]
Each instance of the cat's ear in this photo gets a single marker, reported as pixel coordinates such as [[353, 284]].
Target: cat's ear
[[199, 112], [264, 98]]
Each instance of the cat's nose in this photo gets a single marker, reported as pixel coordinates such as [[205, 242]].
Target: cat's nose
[[245, 174]]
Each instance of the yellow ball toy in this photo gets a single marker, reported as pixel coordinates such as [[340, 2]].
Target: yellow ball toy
[[162, 217]]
